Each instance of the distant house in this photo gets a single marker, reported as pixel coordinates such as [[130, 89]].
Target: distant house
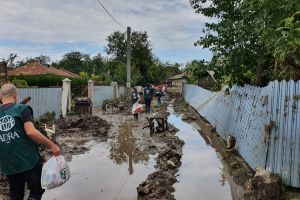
[[40, 69], [177, 80]]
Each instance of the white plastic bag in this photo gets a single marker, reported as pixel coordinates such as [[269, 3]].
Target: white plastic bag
[[55, 172]]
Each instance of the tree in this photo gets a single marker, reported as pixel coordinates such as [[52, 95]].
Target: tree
[[196, 69], [142, 57], [76, 62], [243, 37], [45, 60]]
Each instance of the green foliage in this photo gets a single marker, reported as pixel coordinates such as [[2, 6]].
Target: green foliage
[[76, 62], [247, 41], [19, 83], [49, 80], [145, 67], [46, 80]]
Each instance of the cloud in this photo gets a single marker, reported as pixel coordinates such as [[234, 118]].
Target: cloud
[[171, 24]]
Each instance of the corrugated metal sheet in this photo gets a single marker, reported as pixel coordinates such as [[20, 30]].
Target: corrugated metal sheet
[[263, 120], [284, 149], [102, 93], [42, 100]]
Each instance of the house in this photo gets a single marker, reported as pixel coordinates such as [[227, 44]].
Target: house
[[177, 80], [37, 68]]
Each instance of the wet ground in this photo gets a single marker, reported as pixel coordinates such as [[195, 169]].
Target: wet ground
[[113, 168], [96, 176], [113, 157], [201, 172]]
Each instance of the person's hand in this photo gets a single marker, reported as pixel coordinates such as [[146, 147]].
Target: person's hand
[[55, 150]]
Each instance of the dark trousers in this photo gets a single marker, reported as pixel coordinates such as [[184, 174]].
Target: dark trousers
[[148, 104], [33, 180]]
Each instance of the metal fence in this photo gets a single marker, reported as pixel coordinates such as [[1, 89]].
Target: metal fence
[[263, 120], [102, 93], [42, 100]]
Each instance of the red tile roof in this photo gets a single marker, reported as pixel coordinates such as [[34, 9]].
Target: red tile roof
[[39, 69]]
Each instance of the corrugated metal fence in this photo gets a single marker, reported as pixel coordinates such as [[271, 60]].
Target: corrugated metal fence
[[42, 100], [106, 92], [263, 120]]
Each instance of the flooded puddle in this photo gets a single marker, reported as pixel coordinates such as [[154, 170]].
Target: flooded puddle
[[109, 171], [201, 174]]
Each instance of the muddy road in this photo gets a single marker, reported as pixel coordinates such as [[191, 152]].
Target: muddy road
[[130, 163], [112, 157]]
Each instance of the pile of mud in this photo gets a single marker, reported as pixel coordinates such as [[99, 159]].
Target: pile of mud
[[82, 125], [159, 185]]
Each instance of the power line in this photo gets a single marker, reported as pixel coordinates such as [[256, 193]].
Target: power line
[[110, 14]]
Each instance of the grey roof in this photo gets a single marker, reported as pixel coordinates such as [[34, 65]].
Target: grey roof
[[177, 76]]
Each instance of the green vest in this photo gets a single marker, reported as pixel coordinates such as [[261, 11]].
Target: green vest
[[17, 152]]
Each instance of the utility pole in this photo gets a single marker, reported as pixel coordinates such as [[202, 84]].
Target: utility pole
[[128, 59]]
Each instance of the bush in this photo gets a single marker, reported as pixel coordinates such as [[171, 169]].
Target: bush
[[46, 80], [77, 83], [19, 83]]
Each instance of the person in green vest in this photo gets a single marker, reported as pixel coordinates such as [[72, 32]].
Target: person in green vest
[[19, 156]]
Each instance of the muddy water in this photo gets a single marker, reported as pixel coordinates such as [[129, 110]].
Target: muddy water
[[201, 174], [111, 170]]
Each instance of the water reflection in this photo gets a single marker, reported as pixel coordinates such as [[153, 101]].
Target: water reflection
[[200, 171], [124, 149]]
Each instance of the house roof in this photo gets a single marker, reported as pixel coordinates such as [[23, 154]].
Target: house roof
[[177, 76], [40, 69]]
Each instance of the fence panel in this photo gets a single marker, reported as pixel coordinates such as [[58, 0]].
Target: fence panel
[[42, 100], [264, 121], [101, 93]]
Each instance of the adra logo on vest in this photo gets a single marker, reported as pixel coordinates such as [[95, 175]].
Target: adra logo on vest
[[6, 123]]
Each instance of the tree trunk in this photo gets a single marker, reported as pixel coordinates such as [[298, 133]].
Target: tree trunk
[[259, 70]]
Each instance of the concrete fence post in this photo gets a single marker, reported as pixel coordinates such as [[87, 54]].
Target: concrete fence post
[[117, 90], [91, 90], [66, 100], [113, 85]]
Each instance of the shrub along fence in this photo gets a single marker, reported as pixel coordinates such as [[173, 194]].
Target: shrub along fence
[[50, 80], [265, 122]]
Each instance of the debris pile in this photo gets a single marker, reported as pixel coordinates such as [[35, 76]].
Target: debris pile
[[83, 125], [159, 185]]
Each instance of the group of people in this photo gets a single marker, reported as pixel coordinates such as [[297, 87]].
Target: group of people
[[149, 93]]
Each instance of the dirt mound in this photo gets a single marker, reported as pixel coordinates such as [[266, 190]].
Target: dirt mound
[[159, 185], [83, 125]]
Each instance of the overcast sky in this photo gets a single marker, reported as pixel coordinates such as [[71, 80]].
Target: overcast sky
[[55, 27]]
